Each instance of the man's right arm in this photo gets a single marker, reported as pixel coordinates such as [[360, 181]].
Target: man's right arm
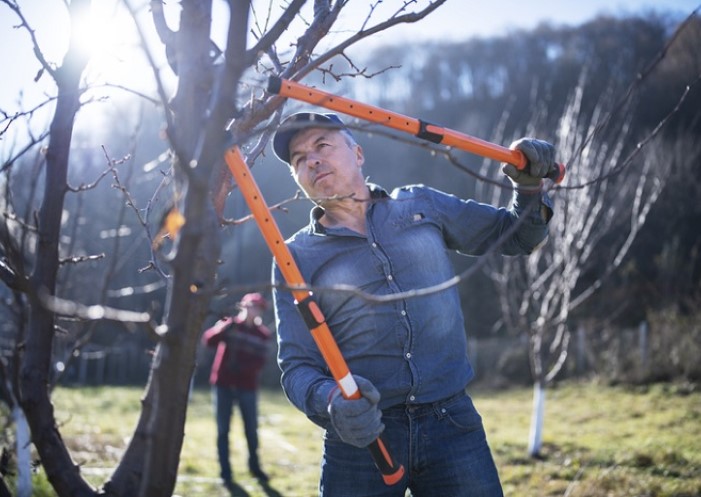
[[215, 334], [306, 381]]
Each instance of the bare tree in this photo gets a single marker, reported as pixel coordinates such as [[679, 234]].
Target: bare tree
[[203, 117], [603, 205]]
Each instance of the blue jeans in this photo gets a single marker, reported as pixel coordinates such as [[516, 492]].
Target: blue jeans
[[442, 446], [224, 400]]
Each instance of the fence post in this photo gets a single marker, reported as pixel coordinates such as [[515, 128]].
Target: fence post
[[83, 374], [101, 358], [642, 344], [581, 353]]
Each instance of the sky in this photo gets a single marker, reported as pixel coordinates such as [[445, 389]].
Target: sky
[[458, 19], [108, 36]]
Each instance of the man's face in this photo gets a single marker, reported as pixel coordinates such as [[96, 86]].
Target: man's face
[[325, 163]]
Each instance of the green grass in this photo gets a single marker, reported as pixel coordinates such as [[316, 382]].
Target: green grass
[[598, 441]]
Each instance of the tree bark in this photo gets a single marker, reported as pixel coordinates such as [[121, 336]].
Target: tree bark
[[63, 474], [149, 466]]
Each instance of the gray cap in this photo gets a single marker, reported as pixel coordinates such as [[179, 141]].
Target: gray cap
[[296, 123]]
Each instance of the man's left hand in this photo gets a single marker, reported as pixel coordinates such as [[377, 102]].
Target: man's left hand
[[357, 421], [541, 159]]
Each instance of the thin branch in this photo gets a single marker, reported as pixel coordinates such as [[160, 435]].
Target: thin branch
[[31, 144], [37, 49], [640, 146], [280, 206], [76, 259], [73, 309], [151, 60], [266, 42], [365, 33], [480, 261], [141, 218], [639, 79]]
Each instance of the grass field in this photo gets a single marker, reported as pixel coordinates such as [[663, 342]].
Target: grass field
[[598, 441]]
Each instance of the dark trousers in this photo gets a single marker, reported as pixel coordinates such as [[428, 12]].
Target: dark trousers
[[224, 400], [441, 445]]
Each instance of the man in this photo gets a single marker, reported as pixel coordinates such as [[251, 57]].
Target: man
[[241, 350], [408, 356]]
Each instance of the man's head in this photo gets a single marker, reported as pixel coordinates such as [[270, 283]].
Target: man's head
[[251, 308], [301, 121], [324, 159], [254, 300]]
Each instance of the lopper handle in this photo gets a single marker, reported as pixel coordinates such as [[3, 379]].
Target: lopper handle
[[391, 471], [400, 122]]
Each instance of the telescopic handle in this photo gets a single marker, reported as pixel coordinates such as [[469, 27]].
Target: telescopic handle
[[413, 126], [391, 471]]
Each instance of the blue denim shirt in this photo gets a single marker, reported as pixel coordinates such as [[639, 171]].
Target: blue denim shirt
[[413, 350]]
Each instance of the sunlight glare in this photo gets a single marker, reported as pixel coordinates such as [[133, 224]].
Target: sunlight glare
[[117, 67], [94, 35], [108, 36]]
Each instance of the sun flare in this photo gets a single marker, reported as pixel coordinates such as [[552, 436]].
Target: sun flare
[[96, 35], [107, 35]]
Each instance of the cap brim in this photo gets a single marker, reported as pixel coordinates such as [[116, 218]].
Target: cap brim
[[296, 123]]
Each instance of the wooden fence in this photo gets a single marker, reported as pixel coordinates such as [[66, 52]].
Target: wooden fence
[[498, 361]]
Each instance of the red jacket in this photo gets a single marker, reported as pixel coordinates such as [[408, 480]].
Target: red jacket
[[241, 352]]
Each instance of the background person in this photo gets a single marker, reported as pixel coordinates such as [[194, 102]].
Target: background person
[[241, 343], [409, 356]]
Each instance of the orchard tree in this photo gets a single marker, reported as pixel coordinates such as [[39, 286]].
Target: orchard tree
[[210, 109], [613, 181]]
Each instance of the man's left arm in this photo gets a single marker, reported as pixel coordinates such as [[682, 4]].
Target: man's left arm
[[529, 199]]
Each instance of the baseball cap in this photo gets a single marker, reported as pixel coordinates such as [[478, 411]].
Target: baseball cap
[[251, 299], [296, 123]]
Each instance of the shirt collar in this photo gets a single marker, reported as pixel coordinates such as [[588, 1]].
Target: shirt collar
[[316, 228]]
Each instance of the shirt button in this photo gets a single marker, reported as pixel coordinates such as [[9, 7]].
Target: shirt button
[[374, 245], [389, 277], [403, 313], [412, 398], [408, 355]]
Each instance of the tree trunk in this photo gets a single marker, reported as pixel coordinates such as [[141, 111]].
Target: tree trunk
[[149, 466], [23, 448], [150, 463], [63, 474]]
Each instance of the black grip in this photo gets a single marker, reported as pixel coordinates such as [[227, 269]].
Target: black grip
[[274, 85], [309, 309], [557, 173], [425, 134], [391, 472]]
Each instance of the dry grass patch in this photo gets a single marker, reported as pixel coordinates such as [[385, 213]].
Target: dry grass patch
[[598, 441]]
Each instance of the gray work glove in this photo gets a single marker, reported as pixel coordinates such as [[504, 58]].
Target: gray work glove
[[357, 421], [541, 159]]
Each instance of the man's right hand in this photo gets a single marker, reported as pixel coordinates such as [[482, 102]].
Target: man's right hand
[[357, 421], [541, 159]]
